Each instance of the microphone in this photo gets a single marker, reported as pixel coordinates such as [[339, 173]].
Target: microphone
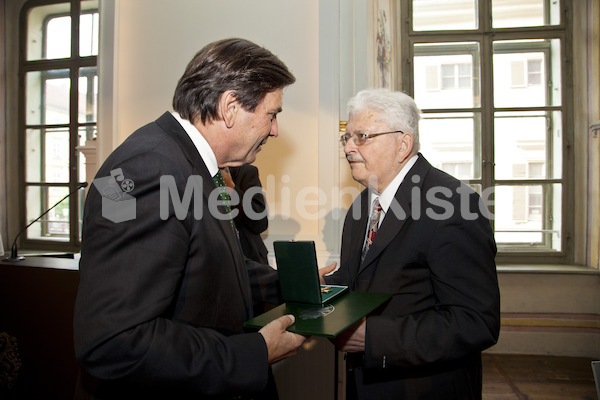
[[13, 253]]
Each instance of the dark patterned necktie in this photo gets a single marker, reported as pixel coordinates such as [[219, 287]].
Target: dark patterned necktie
[[373, 224], [220, 182]]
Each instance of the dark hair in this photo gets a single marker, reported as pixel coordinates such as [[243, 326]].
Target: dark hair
[[230, 64]]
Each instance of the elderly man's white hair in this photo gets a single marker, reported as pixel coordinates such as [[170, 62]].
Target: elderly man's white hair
[[398, 110]]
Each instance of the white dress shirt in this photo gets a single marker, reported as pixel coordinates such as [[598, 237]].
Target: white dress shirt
[[201, 144], [386, 197]]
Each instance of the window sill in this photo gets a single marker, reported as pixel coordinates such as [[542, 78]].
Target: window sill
[[44, 260], [546, 269]]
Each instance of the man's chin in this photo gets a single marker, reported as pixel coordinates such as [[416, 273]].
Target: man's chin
[[358, 177], [251, 158]]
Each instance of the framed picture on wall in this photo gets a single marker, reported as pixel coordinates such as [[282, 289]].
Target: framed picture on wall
[[383, 24]]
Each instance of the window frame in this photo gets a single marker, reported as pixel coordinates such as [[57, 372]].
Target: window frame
[[72, 65], [486, 35]]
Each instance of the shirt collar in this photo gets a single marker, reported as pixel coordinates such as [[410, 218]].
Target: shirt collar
[[386, 197], [207, 154]]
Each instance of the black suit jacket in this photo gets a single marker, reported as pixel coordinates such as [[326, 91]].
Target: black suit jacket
[[162, 298], [439, 266], [246, 178]]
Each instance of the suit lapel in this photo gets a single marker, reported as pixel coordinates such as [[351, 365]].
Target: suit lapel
[[358, 229], [398, 213], [170, 125], [391, 225]]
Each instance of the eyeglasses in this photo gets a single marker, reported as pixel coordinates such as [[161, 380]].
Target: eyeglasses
[[361, 138]]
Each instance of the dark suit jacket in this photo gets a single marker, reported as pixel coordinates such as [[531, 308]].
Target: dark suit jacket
[[246, 177], [162, 299], [426, 342]]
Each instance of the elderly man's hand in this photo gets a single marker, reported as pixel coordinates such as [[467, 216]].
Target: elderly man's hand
[[281, 344], [326, 270]]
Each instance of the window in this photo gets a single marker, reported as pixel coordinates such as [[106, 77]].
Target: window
[[490, 79], [58, 112], [534, 72], [456, 76], [525, 73], [460, 170], [448, 76]]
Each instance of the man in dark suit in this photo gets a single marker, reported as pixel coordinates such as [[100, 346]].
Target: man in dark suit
[[420, 235], [164, 292]]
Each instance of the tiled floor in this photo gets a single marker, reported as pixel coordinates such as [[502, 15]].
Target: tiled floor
[[520, 377]]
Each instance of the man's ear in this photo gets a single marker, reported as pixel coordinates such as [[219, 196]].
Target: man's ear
[[405, 150], [228, 107]]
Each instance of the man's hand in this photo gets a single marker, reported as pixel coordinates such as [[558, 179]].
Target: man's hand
[[280, 343], [353, 339], [326, 270]]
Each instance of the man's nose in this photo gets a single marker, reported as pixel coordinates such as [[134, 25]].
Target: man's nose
[[274, 128], [350, 146]]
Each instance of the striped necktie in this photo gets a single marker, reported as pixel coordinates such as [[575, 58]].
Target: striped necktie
[[373, 224]]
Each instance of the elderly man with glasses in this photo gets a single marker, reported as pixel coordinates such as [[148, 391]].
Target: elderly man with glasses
[[421, 235]]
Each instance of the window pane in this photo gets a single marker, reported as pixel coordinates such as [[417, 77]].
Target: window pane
[[446, 76], [47, 97], [85, 133], [528, 215], [55, 224], [438, 15], [527, 73], [47, 155], [58, 38], [88, 29], [511, 13], [451, 143], [56, 158], [88, 94], [82, 169], [49, 32], [528, 145], [33, 155]]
